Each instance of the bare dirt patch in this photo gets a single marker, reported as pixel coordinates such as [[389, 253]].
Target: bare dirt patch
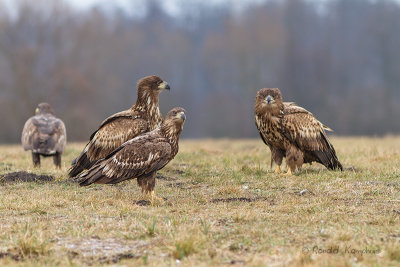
[[166, 178], [109, 250], [14, 256], [25, 177], [143, 202]]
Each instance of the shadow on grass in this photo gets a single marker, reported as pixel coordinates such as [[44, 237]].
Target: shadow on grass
[[319, 171], [238, 199]]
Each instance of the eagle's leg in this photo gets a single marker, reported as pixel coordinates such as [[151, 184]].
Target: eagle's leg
[[57, 160], [36, 159], [277, 157], [147, 183], [278, 169], [294, 159]]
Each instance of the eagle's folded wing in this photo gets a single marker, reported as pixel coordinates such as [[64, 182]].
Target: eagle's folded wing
[[60, 135], [138, 156], [302, 128], [308, 134], [27, 133], [113, 134]]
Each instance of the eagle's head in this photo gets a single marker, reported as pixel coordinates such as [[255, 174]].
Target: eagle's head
[[44, 108], [176, 115], [269, 100], [174, 121], [148, 89], [152, 84]]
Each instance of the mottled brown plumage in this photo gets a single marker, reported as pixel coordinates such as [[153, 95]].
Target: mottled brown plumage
[[291, 131], [142, 117], [44, 135], [140, 157]]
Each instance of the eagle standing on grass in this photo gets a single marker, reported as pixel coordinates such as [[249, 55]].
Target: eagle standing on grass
[[45, 135], [142, 117], [291, 131], [140, 157]]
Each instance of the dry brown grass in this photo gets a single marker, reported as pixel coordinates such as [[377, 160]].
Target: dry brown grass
[[222, 206]]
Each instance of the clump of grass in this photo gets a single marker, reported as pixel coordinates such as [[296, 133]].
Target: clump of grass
[[38, 210], [393, 253], [205, 226], [344, 237], [235, 247], [151, 228], [184, 248], [30, 246], [304, 259]]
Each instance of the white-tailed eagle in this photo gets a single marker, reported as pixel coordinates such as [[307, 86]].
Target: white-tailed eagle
[[45, 135], [140, 157], [143, 116], [291, 131]]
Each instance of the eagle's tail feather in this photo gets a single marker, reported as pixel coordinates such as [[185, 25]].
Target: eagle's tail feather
[[73, 162], [81, 163], [328, 157], [90, 176]]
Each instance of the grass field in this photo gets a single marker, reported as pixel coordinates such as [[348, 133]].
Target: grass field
[[223, 206]]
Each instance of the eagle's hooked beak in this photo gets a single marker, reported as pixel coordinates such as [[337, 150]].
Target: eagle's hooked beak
[[269, 99], [36, 111], [182, 116], [164, 85]]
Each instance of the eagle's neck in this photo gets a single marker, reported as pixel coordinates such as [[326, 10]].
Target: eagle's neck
[[171, 131], [46, 114], [147, 103], [270, 116]]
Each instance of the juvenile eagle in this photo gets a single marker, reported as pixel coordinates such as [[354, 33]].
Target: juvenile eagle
[[45, 135], [142, 117], [140, 157], [291, 131]]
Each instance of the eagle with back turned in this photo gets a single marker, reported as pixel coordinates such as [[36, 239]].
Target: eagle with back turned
[[142, 117], [293, 132], [45, 135], [140, 157]]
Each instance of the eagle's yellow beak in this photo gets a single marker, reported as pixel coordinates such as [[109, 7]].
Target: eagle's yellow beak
[[164, 85], [36, 111], [182, 115]]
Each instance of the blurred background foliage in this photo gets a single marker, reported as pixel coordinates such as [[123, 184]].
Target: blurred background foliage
[[340, 59]]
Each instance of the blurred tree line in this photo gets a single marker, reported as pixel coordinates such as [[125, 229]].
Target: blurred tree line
[[340, 61]]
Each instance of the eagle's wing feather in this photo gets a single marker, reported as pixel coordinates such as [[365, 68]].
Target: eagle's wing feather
[[27, 133], [60, 135], [304, 129], [292, 108], [110, 135], [260, 130], [138, 156], [308, 134]]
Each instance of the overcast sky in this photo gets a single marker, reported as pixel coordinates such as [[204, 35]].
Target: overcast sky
[[173, 7], [137, 7]]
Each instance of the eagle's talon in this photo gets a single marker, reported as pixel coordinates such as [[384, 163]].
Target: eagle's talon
[[289, 172], [155, 199], [278, 169]]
